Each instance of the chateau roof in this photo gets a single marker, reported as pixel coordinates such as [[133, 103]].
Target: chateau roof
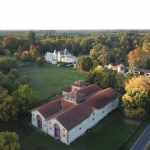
[[74, 95], [67, 89], [80, 84]]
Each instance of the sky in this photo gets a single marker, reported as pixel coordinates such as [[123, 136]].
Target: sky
[[74, 14]]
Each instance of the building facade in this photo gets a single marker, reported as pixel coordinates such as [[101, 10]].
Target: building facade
[[68, 116], [63, 55]]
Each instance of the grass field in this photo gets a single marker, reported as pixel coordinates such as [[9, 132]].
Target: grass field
[[51, 78], [108, 134]]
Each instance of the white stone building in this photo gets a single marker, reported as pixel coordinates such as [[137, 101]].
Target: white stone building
[[69, 116], [120, 68], [62, 55]]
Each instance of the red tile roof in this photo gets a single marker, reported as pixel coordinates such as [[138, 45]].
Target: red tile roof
[[74, 95], [70, 114], [49, 108], [74, 116], [66, 104], [67, 89], [101, 98], [88, 90], [56, 97], [80, 84]]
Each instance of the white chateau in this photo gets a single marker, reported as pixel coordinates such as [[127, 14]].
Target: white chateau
[[62, 55], [80, 107]]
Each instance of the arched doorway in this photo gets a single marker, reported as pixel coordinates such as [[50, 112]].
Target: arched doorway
[[57, 130], [39, 121]]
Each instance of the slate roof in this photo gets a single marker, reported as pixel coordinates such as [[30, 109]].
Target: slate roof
[[80, 84], [67, 89], [74, 95]]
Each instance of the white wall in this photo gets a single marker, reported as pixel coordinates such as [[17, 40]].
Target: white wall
[[69, 136], [51, 130], [34, 121], [94, 118]]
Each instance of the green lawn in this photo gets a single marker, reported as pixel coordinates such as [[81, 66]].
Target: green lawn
[[51, 78]]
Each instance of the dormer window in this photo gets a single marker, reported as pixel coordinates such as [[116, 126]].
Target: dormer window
[[67, 98]]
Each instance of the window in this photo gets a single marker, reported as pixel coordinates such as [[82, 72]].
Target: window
[[64, 135], [93, 114], [45, 125], [50, 128], [80, 129], [49, 122], [33, 119], [103, 111], [93, 118], [33, 114], [112, 105], [63, 129], [67, 97]]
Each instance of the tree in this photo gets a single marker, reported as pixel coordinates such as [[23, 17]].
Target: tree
[[24, 79], [19, 52], [31, 37], [39, 61], [146, 47], [99, 76], [34, 55], [25, 56], [140, 82], [26, 98], [148, 64], [84, 63], [14, 72], [8, 107], [6, 64], [9, 141], [135, 103], [10, 43], [137, 58], [102, 54], [6, 52], [74, 50]]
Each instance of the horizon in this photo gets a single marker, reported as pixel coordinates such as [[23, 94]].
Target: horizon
[[74, 15]]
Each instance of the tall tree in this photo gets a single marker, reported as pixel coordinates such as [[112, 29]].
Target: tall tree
[[8, 107], [84, 63], [19, 52], [31, 37], [140, 82], [135, 103], [26, 98], [137, 58]]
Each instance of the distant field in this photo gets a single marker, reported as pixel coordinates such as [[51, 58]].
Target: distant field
[[51, 78]]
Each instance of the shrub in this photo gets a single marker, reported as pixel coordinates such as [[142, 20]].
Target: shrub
[[24, 79], [6, 52], [14, 72], [39, 61]]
